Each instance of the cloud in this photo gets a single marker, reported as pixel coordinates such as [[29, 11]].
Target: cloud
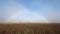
[[44, 11], [14, 12], [27, 17], [51, 13], [48, 9]]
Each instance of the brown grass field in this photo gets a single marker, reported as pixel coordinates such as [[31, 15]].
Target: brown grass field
[[30, 28]]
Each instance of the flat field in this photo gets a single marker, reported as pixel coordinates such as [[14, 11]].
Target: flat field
[[30, 28]]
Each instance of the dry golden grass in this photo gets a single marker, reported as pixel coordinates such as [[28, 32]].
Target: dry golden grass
[[30, 28]]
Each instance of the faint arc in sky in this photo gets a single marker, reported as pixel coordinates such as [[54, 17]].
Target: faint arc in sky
[[27, 17]]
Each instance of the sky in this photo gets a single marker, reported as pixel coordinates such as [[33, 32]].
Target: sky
[[30, 11]]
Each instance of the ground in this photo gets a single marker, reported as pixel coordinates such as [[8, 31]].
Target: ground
[[30, 28]]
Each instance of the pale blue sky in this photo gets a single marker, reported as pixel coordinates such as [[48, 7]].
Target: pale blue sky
[[49, 9]]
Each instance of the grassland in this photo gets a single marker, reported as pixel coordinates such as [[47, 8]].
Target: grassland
[[30, 28]]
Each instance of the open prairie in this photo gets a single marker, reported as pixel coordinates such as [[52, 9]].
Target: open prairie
[[30, 28]]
